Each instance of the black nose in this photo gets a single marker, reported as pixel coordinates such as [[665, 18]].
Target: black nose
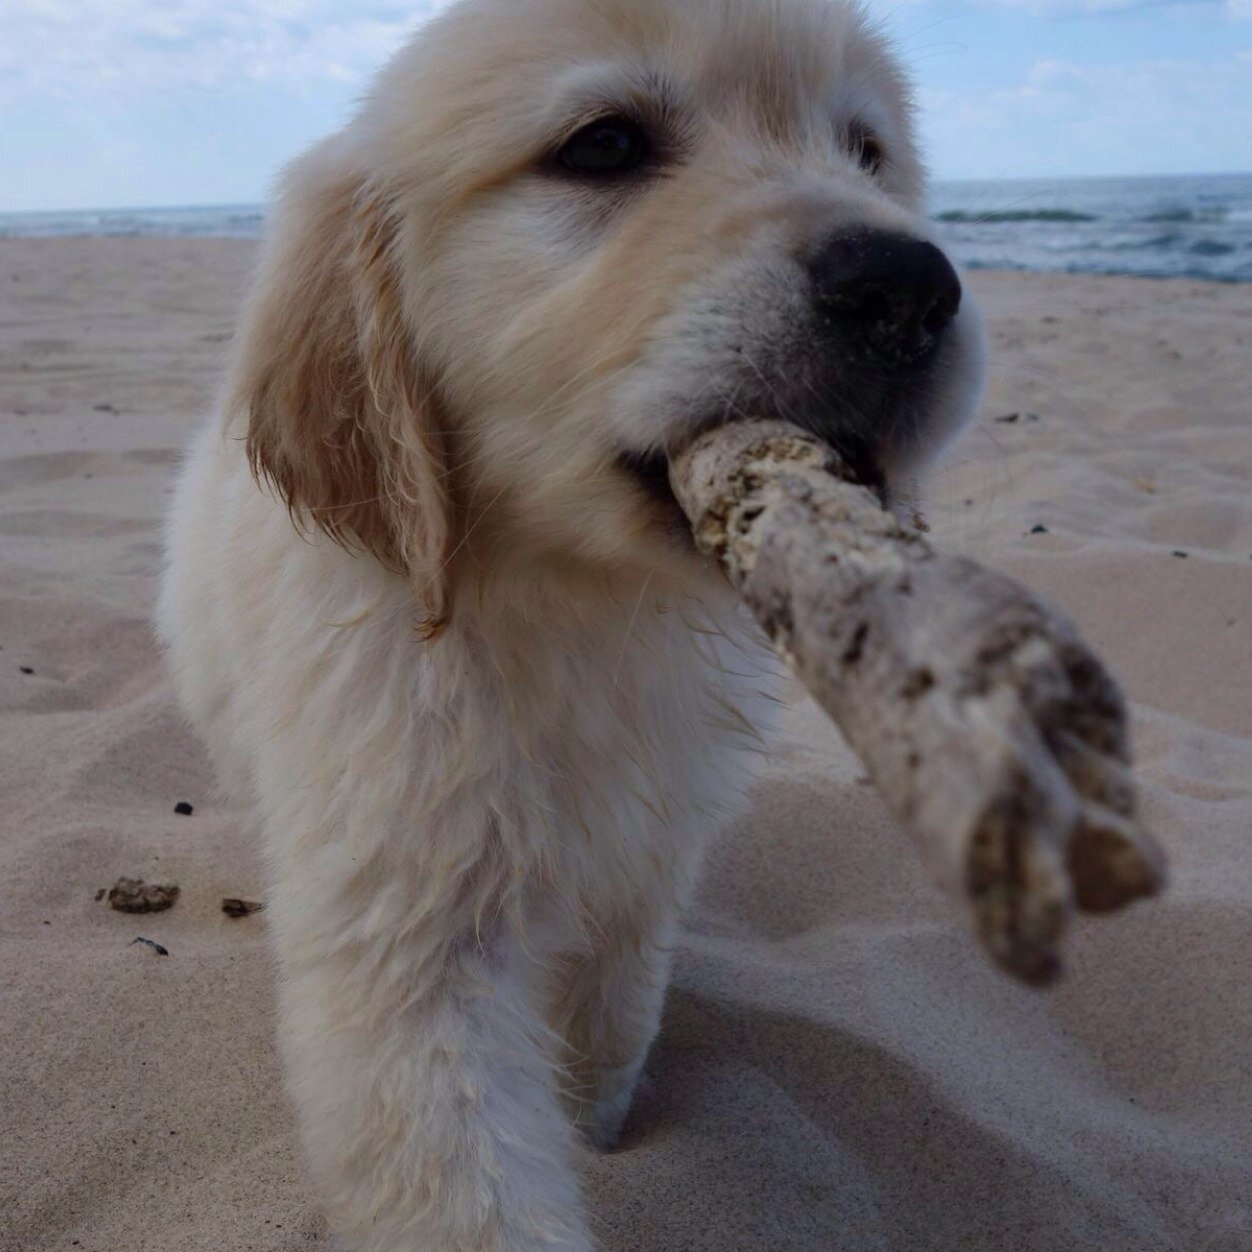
[[889, 294]]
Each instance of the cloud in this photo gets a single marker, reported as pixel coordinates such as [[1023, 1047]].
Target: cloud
[[1235, 9], [64, 49], [1074, 8], [1172, 116], [68, 48]]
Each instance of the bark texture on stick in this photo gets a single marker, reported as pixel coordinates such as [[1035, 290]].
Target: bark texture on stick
[[993, 733]]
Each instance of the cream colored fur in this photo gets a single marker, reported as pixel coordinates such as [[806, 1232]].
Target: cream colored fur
[[484, 702]]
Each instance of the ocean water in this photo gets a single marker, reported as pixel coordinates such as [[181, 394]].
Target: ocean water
[[1197, 227], [217, 221]]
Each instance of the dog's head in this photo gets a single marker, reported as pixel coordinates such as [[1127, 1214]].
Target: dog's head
[[560, 237]]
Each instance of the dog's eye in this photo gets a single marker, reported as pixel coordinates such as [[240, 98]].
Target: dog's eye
[[867, 149], [609, 145]]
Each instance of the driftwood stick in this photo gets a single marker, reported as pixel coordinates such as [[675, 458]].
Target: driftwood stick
[[994, 735]]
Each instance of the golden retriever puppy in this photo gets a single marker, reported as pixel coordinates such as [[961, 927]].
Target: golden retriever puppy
[[483, 698]]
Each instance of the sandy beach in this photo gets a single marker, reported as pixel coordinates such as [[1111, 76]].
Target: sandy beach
[[839, 1066]]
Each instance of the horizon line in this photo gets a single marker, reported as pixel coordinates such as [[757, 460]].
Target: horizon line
[[255, 204]]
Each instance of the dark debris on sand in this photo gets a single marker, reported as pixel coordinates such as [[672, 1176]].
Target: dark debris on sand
[[133, 895], [233, 906]]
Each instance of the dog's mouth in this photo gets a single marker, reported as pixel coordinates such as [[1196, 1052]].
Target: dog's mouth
[[651, 471]]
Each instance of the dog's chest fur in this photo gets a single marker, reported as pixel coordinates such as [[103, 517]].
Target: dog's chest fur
[[582, 748]]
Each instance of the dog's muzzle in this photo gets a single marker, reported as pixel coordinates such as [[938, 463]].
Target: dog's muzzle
[[882, 306]]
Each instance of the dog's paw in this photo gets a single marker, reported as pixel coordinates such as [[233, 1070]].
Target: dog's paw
[[601, 1122]]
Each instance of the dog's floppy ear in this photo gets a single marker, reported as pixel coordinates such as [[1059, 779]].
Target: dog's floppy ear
[[340, 420]]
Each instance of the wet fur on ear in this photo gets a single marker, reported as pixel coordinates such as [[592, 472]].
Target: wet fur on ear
[[341, 422]]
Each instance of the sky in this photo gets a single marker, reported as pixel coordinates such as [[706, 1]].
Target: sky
[[143, 103]]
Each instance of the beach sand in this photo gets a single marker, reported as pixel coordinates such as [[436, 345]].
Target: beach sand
[[839, 1067]]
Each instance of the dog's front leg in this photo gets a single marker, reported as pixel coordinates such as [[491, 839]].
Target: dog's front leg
[[609, 1013], [423, 1086]]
